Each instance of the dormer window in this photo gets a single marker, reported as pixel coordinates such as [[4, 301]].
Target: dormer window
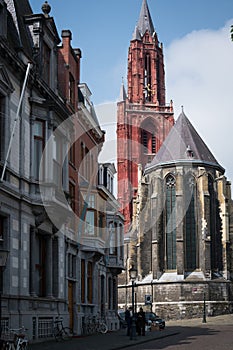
[[189, 152]]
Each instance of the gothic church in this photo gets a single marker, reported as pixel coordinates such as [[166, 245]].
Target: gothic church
[[174, 196]]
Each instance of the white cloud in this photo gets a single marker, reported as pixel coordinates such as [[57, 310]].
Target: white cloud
[[200, 77]]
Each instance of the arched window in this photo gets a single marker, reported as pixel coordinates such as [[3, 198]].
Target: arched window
[[170, 233], [214, 223], [190, 223]]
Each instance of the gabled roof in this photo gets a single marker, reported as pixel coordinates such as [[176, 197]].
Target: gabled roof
[[183, 144], [144, 23]]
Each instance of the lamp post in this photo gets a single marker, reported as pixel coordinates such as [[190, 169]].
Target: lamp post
[[133, 275], [3, 259], [204, 309]]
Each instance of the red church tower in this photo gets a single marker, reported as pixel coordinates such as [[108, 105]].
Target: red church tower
[[143, 118]]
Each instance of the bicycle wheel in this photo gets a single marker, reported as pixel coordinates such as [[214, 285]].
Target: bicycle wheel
[[103, 328], [23, 346], [57, 334], [67, 333]]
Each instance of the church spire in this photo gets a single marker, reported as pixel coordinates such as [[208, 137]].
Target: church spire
[[145, 22]]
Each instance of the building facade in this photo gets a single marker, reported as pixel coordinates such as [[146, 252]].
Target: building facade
[[57, 266], [182, 235]]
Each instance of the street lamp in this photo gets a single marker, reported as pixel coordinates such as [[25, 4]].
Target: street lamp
[[133, 275], [3, 259], [204, 309]]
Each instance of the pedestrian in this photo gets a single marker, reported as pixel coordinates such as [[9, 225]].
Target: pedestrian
[[141, 322], [128, 319]]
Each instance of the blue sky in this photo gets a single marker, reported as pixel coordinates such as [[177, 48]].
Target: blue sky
[[198, 57], [102, 29]]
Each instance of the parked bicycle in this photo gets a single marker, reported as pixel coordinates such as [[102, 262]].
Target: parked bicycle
[[101, 326], [60, 332], [15, 339], [94, 324]]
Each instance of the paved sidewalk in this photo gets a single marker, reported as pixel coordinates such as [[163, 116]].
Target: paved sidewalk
[[118, 340], [109, 341]]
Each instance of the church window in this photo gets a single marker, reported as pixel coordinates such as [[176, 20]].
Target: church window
[[214, 223], [171, 222], [190, 224]]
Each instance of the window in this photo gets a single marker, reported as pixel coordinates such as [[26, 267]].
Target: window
[[72, 154], [46, 63], [57, 160], [214, 228], [72, 195], [71, 266], [190, 224], [114, 294], [101, 175], [144, 141], [39, 143], [90, 223], [83, 275], [153, 144], [113, 238], [101, 224], [71, 90], [109, 293], [2, 227], [170, 222], [148, 142], [42, 266], [85, 161], [2, 123], [89, 281]]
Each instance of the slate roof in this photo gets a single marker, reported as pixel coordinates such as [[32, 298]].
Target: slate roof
[[183, 144], [144, 23], [17, 32]]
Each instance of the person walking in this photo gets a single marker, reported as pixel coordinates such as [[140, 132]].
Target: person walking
[[141, 322], [128, 319]]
